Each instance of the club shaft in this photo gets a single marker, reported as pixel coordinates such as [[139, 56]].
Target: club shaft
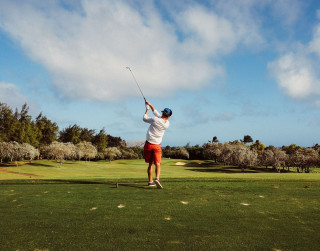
[[136, 83]]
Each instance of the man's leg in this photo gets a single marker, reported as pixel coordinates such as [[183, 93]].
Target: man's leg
[[150, 172], [158, 170], [157, 179]]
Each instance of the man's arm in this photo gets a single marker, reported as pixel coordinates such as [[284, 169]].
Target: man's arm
[[151, 106], [145, 116], [155, 112], [147, 110]]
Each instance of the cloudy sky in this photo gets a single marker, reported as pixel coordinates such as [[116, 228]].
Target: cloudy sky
[[227, 68]]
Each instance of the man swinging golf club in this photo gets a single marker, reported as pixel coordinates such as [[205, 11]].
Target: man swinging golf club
[[152, 148]]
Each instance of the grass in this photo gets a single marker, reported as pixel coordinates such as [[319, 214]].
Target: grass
[[136, 169], [77, 207]]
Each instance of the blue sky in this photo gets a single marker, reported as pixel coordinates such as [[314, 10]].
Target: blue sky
[[227, 68]]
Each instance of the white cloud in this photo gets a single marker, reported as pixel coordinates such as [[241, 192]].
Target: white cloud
[[87, 47], [296, 71], [11, 95], [295, 74], [206, 32]]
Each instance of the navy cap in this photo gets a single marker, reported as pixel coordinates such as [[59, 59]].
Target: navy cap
[[167, 112]]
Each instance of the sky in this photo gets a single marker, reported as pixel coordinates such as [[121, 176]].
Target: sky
[[226, 68]]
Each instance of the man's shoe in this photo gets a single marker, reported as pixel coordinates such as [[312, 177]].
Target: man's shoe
[[158, 184], [151, 184]]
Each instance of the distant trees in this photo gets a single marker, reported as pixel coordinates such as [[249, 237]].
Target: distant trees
[[195, 152], [59, 151], [275, 157], [179, 153], [236, 154], [258, 147], [303, 159], [112, 153], [19, 127], [176, 152], [100, 140], [86, 150], [48, 130], [14, 151]]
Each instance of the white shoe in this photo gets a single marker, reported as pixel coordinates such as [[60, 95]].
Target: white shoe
[[158, 184], [151, 184]]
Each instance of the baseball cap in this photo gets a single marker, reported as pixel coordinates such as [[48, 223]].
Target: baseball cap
[[167, 112]]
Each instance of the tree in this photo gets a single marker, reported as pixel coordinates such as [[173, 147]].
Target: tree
[[266, 158], [258, 147], [86, 134], [196, 152], [8, 123], [27, 131], [247, 139], [291, 148], [47, 130], [243, 156], [179, 153], [71, 134], [86, 150], [303, 159], [129, 153], [100, 140], [279, 157], [4, 151], [115, 141], [213, 151], [59, 151], [215, 139], [29, 152], [112, 153], [15, 151]]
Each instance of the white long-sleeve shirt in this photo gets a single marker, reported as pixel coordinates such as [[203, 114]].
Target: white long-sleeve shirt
[[157, 127]]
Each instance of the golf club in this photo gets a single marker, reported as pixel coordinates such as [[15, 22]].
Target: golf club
[[137, 83]]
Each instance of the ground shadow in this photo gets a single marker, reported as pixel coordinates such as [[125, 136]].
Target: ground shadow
[[8, 165], [39, 164], [209, 166], [139, 186]]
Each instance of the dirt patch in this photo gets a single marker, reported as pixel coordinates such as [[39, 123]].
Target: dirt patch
[[180, 163], [2, 169]]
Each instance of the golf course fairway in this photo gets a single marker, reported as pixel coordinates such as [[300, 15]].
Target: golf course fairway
[[203, 206]]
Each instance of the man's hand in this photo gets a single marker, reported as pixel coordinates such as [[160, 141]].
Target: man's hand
[[147, 107], [149, 104]]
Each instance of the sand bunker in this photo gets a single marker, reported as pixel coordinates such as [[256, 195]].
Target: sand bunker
[[180, 163]]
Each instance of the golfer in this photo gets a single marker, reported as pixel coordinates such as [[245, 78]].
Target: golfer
[[152, 147]]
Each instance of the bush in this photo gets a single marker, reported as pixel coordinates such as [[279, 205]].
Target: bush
[[179, 153]]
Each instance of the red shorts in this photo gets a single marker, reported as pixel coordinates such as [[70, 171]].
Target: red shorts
[[152, 153]]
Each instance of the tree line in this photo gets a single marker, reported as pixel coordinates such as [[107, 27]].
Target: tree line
[[18, 126], [13, 152], [238, 153], [21, 137]]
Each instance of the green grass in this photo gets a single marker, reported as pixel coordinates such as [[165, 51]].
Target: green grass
[[76, 207], [136, 169]]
